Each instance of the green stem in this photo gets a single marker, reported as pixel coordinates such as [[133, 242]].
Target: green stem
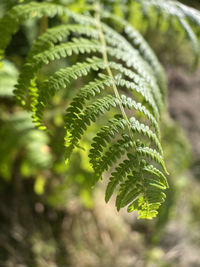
[[105, 58]]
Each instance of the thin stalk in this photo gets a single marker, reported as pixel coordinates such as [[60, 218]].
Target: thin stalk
[[105, 58]]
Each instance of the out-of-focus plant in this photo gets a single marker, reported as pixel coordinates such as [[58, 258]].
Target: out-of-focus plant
[[178, 156], [122, 80]]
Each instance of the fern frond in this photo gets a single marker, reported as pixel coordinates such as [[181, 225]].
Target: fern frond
[[10, 23], [186, 16], [115, 65]]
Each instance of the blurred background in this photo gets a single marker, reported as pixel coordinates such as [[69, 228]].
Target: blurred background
[[49, 217]]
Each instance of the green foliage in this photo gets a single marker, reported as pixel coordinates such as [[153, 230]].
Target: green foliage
[[120, 79], [187, 18], [8, 78], [21, 138]]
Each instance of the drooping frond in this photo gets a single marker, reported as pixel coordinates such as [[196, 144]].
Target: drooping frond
[[125, 86], [187, 17]]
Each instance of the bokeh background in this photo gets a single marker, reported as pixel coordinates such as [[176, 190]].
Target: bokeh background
[[49, 215]]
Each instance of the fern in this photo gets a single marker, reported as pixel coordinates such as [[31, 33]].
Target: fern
[[188, 18], [127, 88], [8, 78], [19, 136]]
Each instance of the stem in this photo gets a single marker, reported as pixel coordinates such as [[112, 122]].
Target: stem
[[43, 24], [105, 58]]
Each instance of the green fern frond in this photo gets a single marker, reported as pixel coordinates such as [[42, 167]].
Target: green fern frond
[[126, 87], [187, 17], [19, 14]]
